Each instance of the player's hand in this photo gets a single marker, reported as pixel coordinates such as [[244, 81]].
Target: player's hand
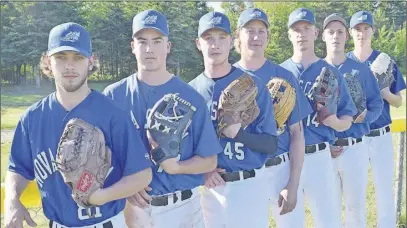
[[232, 130], [330, 120], [153, 143], [288, 198], [361, 117], [15, 214], [97, 198], [213, 179], [141, 199], [336, 151], [171, 166]]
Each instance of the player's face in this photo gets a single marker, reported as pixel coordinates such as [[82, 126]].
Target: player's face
[[215, 45], [151, 49], [361, 34], [253, 38], [302, 35], [70, 70], [335, 36]]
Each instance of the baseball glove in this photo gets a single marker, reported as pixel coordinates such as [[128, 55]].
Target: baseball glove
[[382, 68], [237, 104], [325, 93], [167, 122], [83, 159], [284, 97], [356, 92]]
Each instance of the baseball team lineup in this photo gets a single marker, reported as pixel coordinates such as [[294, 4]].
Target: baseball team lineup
[[239, 140]]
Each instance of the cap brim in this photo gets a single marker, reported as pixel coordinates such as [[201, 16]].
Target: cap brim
[[215, 27], [256, 19], [68, 48], [149, 27], [291, 24], [361, 23]]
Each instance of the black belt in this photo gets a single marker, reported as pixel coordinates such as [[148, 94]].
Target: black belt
[[313, 148], [105, 225], [235, 176], [376, 132], [276, 160], [345, 142], [163, 200]]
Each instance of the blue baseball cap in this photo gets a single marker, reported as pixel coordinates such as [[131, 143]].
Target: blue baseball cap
[[361, 17], [334, 17], [252, 14], [301, 14], [69, 37], [214, 20], [150, 19]]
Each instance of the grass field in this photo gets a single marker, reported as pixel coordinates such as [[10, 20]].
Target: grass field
[[14, 100]]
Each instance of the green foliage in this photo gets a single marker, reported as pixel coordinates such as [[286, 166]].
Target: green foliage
[[25, 28]]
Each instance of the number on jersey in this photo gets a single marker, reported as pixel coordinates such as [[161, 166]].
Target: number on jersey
[[234, 151]]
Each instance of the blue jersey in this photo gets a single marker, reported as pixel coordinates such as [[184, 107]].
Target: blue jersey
[[398, 85], [302, 107], [236, 156], [374, 102], [314, 131], [35, 144], [137, 99]]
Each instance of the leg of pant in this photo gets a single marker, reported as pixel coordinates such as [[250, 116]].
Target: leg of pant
[[247, 204], [320, 190], [382, 162], [338, 182], [213, 203], [354, 164], [277, 179], [136, 217], [193, 217]]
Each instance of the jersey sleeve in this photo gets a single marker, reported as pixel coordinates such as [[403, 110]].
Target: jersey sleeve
[[205, 139], [399, 84], [126, 141], [21, 158], [346, 105], [265, 122]]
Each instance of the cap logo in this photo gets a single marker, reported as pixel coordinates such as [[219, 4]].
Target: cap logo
[[71, 37], [362, 18], [256, 14], [151, 19], [215, 21], [301, 14]]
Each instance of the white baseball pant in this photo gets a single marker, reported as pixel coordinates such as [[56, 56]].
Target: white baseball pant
[[182, 214], [239, 204], [318, 180], [115, 221], [277, 178], [381, 158], [352, 178]]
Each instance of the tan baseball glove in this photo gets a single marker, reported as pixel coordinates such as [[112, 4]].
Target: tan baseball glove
[[237, 104]]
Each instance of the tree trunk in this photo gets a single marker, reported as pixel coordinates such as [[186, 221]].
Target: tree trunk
[[36, 72]]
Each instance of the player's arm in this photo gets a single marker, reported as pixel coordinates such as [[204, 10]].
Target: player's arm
[[392, 95], [137, 174], [374, 102], [20, 172], [342, 121], [297, 148]]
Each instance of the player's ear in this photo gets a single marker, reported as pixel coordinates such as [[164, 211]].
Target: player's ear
[[91, 62], [231, 42], [132, 46], [374, 30], [169, 44], [198, 44], [323, 36], [316, 32]]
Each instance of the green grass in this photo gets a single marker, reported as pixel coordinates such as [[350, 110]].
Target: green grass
[[10, 116]]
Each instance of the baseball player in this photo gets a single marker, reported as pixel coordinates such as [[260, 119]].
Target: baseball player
[[318, 173], [69, 61], [284, 169], [350, 151], [172, 199], [379, 139], [235, 194]]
